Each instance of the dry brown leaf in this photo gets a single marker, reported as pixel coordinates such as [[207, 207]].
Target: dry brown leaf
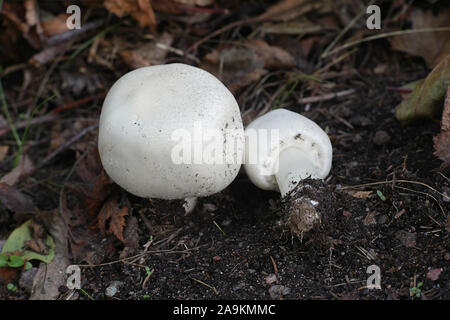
[[239, 67], [152, 53], [8, 274], [272, 56], [290, 9], [95, 186], [23, 169], [141, 10], [445, 125], [3, 152], [432, 46], [14, 12], [442, 146], [15, 200], [50, 277], [116, 216], [434, 274], [360, 194], [131, 235], [56, 25], [408, 239], [442, 140]]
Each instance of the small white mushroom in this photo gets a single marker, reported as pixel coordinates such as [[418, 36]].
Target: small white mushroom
[[282, 149], [288, 148], [152, 111]]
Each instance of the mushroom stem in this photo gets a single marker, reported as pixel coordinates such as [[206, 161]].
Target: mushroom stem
[[189, 204], [294, 165]]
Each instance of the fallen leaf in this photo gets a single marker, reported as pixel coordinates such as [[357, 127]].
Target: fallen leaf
[[141, 10], [425, 101], [8, 274], [152, 53], [111, 211], [360, 194], [370, 219], [445, 124], [95, 186], [51, 276], [16, 243], [432, 46], [18, 14], [292, 27], [408, 239], [131, 236], [434, 274], [56, 25], [23, 169], [16, 201], [239, 67], [442, 146], [271, 56], [442, 140]]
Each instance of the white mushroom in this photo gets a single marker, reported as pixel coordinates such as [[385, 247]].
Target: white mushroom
[[155, 133], [283, 148], [296, 148]]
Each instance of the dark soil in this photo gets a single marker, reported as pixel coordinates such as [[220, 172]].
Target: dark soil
[[331, 264], [238, 260]]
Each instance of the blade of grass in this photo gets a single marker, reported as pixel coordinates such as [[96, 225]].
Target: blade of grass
[[384, 35], [8, 116], [218, 227], [91, 40], [327, 52], [27, 127], [283, 95]]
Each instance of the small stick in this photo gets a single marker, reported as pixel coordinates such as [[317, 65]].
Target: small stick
[[207, 285], [25, 123], [78, 103], [325, 97], [396, 89], [66, 145]]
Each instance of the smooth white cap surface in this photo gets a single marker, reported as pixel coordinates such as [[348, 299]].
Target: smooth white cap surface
[[140, 114], [304, 147]]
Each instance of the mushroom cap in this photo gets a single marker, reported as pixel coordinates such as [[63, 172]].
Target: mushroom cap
[[292, 131], [140, 115]]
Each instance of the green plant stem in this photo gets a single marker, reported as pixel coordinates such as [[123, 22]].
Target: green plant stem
[[8, 116]]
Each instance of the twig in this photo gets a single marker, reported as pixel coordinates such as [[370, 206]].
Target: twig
[[139, 255], [275, 268], [23, 124], [396, 89], [177, 51], [393, 182], [8, 116], [68, 35], [325, 97], [78, 103], [207, 285], [66, 145]]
